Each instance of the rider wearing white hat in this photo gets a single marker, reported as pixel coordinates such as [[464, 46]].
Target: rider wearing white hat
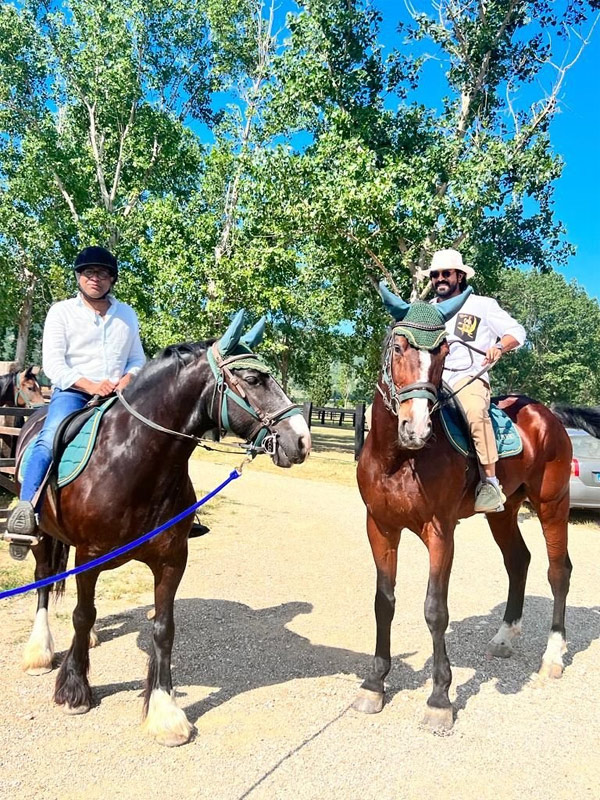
[[482, 325]]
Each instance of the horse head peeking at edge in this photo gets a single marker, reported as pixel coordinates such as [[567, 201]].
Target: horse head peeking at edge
[[135, 480], [413, 360]]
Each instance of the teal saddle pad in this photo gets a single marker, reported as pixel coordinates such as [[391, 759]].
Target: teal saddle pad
[[77, 453], [508, 438]]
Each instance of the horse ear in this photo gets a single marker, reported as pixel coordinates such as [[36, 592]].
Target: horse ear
[[232, 335], [397, 307], [448, 308], [255, 335]]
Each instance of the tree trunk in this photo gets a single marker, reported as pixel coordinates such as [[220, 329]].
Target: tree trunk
[[25, 319]]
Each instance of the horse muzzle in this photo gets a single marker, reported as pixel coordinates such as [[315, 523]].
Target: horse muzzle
[[290, 443]]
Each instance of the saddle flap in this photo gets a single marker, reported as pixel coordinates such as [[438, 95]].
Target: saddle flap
[[456, 428]]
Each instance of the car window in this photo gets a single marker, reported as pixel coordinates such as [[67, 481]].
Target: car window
[[585, 446]]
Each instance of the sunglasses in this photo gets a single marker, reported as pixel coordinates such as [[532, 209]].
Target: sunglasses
[[445, 273]]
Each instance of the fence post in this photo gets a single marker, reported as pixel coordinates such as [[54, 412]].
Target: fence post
[[307, 412], [359, 429]]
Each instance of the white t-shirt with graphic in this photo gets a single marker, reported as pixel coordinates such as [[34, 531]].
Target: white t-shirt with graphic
[[480, 323]]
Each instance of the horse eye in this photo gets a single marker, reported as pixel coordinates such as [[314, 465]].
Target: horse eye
[[252, 380], [397, 350]]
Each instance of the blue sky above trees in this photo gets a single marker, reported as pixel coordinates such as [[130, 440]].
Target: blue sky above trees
[[575, 134]]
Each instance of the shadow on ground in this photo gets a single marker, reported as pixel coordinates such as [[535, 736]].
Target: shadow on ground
[[237, 648]]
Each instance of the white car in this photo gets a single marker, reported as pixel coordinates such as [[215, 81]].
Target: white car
[[585, 470]]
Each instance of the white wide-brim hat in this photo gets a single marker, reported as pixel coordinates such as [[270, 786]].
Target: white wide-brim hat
[[448, 259]]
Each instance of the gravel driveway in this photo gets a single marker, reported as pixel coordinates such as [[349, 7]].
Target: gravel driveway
[[275, 631]]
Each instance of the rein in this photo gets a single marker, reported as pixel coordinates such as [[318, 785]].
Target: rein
[[263, 436]]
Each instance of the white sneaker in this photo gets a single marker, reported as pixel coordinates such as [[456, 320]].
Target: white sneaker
[[489, 498]]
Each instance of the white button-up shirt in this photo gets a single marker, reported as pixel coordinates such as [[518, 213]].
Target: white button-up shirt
[[79, 343], [480, 322]]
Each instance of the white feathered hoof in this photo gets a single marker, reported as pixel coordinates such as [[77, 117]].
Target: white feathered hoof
[[438, 720], [74, 711], [368, 702], [39, 650], [165, 721]]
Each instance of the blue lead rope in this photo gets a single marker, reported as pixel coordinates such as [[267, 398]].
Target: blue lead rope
[[96, 562]]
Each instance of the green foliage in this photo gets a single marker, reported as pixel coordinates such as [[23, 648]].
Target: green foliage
[[561, 360], [229, 161]]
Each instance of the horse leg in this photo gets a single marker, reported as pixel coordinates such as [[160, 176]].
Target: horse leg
[[385, 555], [554, 516], [73, 690], [505, 529], [439, 713], [164, 720], [39, 650]]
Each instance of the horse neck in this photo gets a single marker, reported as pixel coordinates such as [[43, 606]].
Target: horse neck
[[178, 399], [384, 431]]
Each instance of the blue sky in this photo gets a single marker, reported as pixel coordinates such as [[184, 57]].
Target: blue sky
[[575, 135]]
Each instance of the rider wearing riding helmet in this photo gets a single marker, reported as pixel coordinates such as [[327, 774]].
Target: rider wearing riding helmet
[[490, 332], [91, 346]]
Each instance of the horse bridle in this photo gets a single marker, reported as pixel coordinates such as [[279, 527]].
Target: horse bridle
[[228, 387], [263, 438], [23, 394], [394, 396]]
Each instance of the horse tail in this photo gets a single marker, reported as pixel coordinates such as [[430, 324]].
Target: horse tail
[[587, 419], [59, 555]]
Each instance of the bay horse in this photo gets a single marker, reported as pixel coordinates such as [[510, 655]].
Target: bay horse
[[20, 388], [136, 479], [410, 476]]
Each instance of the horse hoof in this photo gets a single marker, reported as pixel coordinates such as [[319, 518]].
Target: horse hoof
[[72, 711], [551, 670], [498, 650], [438, 720], [93, 639], [151, 613], [173, 739], [36, 671], [368, 702]]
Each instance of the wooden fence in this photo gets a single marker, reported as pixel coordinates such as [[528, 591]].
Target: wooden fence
[[329, 416]]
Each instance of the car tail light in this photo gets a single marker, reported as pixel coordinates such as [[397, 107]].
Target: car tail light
[[575, 467]]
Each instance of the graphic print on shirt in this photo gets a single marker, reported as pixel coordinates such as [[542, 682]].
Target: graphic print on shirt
[[466, 326]]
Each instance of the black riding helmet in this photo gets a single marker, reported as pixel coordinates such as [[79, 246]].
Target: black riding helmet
[[96, 257]]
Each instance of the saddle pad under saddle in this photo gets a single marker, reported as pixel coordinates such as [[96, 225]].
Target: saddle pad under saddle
[[77, 453], [508, 439]]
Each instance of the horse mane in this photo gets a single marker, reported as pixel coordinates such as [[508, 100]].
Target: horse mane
[[173, 357], [6, 381]]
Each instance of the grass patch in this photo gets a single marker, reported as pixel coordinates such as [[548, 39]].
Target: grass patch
[[331, 459], [12, 576]]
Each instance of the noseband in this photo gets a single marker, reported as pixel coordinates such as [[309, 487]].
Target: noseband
[[229, 387], [393, 395]]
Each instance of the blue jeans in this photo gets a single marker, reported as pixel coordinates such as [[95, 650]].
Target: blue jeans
[[62, 403]]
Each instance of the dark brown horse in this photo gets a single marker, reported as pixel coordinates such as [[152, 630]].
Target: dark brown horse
[[20, 388], [410, 476], [136, 479]]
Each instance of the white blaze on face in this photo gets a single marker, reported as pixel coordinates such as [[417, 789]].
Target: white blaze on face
[[420, 405], [299, 426]]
